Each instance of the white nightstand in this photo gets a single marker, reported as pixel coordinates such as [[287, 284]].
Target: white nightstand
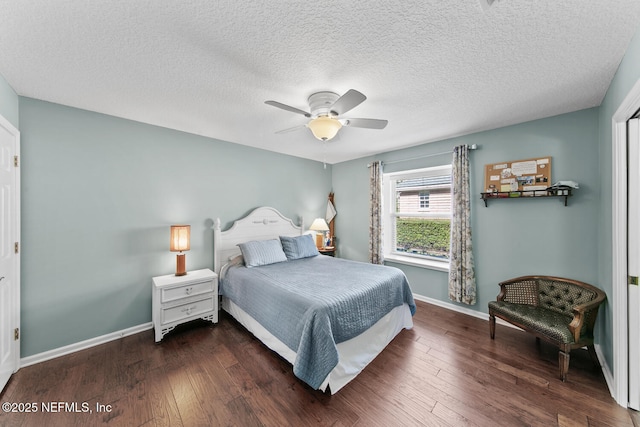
[[179, 299]]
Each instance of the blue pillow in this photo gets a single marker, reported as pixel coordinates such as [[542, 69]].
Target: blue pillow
[[262, 252], [299, 247]]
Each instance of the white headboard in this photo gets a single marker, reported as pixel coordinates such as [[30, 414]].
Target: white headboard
[[261, 224]]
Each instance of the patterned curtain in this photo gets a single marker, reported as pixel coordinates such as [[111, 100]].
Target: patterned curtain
[[375, 213], [462, 279]]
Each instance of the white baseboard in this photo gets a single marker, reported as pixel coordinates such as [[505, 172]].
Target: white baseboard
[[606, 371], [459, 309], [82, 345]]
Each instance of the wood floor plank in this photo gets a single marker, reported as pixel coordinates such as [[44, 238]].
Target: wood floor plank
[[572, 420], [451, 417], [265, 410], [163, 404], [187, 402]]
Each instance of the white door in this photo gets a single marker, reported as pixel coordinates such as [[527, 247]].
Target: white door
[[9, 256], [633, 259]]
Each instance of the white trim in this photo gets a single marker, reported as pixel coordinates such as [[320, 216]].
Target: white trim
[[18, 213], [606, 370], [619, 262], [83, 345], [463, 310], [418, 173], [619, 243], [633, 258], [389, 216], [418, 261]]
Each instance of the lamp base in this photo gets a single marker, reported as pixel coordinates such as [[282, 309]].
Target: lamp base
[[181, 263]]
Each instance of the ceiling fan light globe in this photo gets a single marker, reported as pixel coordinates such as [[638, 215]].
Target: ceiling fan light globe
[[324, 128]]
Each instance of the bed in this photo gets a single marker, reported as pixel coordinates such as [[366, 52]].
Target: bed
[[328, 317]]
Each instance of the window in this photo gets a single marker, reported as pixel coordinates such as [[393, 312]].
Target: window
[[417, 216], [424, 200]]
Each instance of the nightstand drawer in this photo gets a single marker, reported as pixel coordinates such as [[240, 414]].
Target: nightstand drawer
[[171, 294], [185, 311]]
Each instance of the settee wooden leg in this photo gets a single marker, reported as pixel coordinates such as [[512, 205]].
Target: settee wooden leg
[[492, 326], [563, 362]]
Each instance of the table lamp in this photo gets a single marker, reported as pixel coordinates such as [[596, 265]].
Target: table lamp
[[180, 241], [319, 225]]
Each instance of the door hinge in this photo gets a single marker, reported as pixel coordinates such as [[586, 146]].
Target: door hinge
[[15, 161], [16, 247], [16, 334], [633, 280]]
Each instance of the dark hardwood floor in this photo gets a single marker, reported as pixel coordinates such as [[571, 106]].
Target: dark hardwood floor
[[444, 372]]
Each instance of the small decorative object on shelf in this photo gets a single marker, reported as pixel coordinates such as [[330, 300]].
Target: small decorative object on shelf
[[556, 191]]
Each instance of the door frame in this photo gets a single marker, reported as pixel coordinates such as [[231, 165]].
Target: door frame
[[625, 111], [15, 315]]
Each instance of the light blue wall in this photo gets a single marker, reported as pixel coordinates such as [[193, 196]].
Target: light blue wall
[[98, 196], [512, 237], [9, 108], [626, 77]]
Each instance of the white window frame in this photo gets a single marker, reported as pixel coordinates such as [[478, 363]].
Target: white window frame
[[427, 198], [389, 214]]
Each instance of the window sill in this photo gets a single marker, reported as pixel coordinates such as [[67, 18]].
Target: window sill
[[418, 262]]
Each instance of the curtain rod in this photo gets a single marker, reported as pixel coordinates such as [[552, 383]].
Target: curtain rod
[[471, 147]]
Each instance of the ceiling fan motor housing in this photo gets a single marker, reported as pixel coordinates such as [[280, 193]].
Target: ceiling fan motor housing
[[320, 103]]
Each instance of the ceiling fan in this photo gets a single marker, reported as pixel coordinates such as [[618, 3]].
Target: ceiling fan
[[325, 109]]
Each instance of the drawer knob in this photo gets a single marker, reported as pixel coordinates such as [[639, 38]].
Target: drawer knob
[[188, 310], [188, 290]]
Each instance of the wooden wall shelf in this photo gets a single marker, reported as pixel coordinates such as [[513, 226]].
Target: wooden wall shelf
[[560, 192]]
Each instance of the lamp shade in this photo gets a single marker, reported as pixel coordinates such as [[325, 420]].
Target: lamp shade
[[324, 128], [319, 224], [180, 238]]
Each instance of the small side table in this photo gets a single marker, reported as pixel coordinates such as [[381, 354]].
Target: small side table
[[328, 250], [180, 299]]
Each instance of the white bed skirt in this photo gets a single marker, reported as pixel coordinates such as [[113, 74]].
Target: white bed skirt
[[353, 355]]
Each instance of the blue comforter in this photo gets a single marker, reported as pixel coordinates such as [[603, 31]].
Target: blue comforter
[[312, 304]]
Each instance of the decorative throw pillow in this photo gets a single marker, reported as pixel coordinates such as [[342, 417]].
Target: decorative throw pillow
[[262, 252], [299, 247]]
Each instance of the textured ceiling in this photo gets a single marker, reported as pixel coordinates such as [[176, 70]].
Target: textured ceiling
[[434, 69]]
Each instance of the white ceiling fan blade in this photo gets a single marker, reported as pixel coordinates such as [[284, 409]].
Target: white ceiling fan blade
[[287, 107], [365, 123], [346, 102], [292, 129]]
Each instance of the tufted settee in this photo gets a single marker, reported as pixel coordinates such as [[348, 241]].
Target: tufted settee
[[557, 310]]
